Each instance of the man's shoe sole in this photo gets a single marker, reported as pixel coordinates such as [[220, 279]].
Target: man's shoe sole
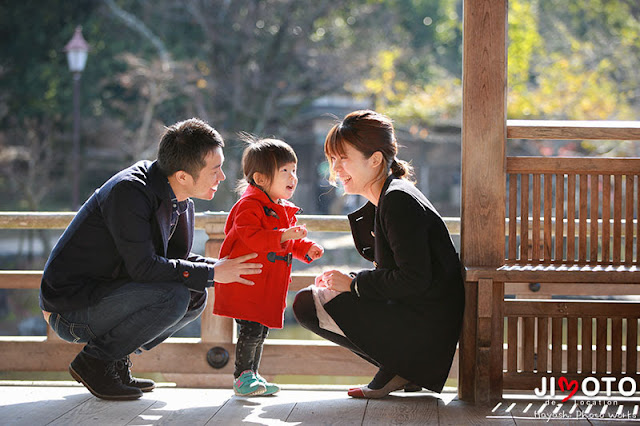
[[147, 389], [143, 389], [79, 379]]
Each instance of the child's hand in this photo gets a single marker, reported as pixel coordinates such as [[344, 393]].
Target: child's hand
[[293, 233], [315, 252]]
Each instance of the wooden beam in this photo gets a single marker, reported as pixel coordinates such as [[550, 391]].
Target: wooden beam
[[211, 222], [20, 279], [31, 280], [557, 308], [484, 94], [573, 165], [484, 78], [175, 356], [591, 289], [573, 130]]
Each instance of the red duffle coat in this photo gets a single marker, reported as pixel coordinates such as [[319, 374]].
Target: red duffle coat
[[255, 225]]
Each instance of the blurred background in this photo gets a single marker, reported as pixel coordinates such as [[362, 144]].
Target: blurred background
[[282, 68]]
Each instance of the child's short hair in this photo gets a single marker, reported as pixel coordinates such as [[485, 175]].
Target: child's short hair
[[264, 156]]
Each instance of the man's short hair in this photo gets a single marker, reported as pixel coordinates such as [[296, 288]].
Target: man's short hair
[[185, 145]]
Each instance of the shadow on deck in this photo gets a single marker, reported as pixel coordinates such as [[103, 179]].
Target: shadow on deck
[[26, 403]]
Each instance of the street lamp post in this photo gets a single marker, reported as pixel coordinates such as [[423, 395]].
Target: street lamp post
[[77, 50]]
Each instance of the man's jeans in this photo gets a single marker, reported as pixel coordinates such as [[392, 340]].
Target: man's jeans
[[133, 317]]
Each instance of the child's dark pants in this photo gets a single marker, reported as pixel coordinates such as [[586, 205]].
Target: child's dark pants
[[251, 336]]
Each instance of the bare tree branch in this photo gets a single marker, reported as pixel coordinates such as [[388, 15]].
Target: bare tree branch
[[135, 24]]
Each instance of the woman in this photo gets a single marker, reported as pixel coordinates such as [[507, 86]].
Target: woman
[[405, 315]]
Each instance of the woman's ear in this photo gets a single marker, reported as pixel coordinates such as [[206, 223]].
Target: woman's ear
[[376, 158]]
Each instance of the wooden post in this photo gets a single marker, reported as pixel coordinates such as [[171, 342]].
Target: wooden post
[[214, 329], [483, 188]]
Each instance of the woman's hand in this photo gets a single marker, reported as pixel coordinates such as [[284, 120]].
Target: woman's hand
[[335, 280]]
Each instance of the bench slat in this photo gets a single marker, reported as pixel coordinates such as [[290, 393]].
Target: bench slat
[[556, 345], [512, 341], [571, 218], [601, 342], [557, 274], [587, 338], [535, 228], [528, 343], [572, 344], [543, 345], [617, 217], [628, 242], [559, 252], [513, 216], [616, 345], [606, 217], [632, 344], [548, 201], [524, 216], [582, 220], [593, 215]]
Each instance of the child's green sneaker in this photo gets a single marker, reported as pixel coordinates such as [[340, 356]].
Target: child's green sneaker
[[271, 388], [247, 384]]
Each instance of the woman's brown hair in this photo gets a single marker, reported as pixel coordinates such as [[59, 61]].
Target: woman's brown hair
[[368, 132]]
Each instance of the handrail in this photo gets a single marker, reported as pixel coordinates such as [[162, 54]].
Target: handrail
[[573, 129], [212, 222]]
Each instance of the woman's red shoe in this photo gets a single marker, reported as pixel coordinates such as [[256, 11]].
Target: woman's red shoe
[[394, 384]]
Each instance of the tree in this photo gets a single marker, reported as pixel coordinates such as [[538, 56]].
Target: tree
[[577, 62]]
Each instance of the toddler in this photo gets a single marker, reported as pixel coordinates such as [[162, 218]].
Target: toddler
[[262, 222]]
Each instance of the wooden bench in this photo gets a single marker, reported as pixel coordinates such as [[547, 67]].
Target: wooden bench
[[572, 223]]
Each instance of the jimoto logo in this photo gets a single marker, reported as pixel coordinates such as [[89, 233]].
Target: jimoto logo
[[590, 386]]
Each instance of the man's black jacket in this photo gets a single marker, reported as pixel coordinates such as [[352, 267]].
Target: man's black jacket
[[122, 234]]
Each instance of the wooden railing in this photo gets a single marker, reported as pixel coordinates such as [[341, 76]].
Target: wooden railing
[[184, 360], [572, 229]]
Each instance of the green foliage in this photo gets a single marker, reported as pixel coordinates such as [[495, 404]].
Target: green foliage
[[35, 79], [416, 76], [440, 102], [577, 62]]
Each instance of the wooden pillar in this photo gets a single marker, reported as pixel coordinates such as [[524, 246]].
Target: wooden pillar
[[214, 329], [484, 80]]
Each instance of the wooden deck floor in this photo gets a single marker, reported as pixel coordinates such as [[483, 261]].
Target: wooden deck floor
[[71, 404]]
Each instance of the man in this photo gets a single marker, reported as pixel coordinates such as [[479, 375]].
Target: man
[[122, 276]]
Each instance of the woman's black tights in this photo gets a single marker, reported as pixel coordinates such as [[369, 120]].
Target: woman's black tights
[[304, 310]]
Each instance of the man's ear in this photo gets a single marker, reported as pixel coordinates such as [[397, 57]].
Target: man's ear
[[183, 177]]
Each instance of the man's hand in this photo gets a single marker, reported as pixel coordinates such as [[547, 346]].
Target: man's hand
[[231, 270]]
